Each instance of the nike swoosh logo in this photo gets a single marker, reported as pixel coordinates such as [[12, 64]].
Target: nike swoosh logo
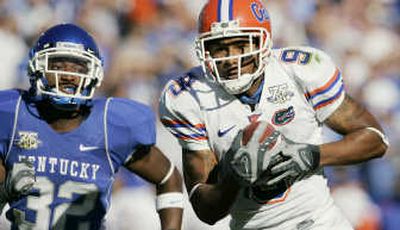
[[84, 148], [223, 132]]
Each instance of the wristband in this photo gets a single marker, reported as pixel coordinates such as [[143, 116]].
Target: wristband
[[169, 200]]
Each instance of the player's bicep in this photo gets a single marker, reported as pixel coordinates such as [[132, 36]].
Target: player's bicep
[[149, 163], [350, 116], [198, 166]]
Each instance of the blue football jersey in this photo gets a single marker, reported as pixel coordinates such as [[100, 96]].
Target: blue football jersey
[[74, 170]]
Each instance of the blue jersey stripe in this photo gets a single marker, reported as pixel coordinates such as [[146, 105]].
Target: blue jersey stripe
[[185, 126], [219, 10], [338, 78], [191, 136], [329, 100]]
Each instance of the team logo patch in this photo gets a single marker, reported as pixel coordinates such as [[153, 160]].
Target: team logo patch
[[284, 116], [27, 140], [279, 94]]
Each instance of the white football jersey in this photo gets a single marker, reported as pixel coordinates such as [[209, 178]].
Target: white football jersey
[[302, 87]]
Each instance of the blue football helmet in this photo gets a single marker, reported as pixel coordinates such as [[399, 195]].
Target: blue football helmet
[[65, 42]]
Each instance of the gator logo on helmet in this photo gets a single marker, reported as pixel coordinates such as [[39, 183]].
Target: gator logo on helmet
[[259, 12]]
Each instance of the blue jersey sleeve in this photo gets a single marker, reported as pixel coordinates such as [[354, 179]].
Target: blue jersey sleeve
[[131, 125], [8, 101]]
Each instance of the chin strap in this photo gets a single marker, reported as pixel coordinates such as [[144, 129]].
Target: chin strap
[[255, 98]]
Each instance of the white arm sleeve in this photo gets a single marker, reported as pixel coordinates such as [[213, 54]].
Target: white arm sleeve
[[181, 115], [320, 79]]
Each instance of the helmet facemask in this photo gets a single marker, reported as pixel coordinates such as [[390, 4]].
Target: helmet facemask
[[47, 80], [259, 44]]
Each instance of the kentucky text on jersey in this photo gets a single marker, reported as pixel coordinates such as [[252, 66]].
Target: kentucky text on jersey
[[63, 166]]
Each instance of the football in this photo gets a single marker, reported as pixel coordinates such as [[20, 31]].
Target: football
[[260, 130], [259, 141]]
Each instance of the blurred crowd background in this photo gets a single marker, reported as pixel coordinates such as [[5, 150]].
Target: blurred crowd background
[[147, 42]]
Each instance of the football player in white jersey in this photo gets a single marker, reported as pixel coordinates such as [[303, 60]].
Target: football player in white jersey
[[295, 89]]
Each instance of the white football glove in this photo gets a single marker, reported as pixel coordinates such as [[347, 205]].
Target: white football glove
[[292, 163], [18, 182], [247, 162]]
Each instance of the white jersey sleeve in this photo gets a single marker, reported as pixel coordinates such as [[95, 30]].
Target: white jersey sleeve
[[180, 113], [318, 76]]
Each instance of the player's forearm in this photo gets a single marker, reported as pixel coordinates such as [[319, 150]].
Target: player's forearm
[[170, 202], [213, 202], [171, 218], [356, 147]]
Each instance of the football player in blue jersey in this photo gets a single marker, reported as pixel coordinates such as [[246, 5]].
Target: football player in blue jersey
[[60, 149]]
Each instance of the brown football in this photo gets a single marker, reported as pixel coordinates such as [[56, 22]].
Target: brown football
[[250, 129]]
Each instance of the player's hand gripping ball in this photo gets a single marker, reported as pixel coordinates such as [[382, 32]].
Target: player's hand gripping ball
[[294, 162], [251, 151]]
